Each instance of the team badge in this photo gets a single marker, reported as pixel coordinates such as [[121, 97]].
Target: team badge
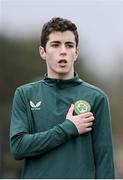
[[82, 107]]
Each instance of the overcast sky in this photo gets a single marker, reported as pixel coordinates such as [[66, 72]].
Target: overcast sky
[[99, 22]]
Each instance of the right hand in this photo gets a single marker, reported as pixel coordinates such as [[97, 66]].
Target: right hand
[[83, 122]]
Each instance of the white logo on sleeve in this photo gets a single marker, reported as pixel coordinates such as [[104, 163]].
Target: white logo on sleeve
[[35, 106]]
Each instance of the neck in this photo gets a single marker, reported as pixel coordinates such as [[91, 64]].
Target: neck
[[62, 76]]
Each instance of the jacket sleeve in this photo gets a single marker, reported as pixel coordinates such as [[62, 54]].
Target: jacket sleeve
[[102, 140], [24, 144]]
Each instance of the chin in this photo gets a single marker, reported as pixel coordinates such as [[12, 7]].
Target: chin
[[63, 72]]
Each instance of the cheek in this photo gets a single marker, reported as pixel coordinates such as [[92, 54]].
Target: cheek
[[50, 59], [73, 56], [49, 56]]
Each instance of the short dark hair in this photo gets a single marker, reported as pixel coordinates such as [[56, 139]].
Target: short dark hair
[[57, 24]]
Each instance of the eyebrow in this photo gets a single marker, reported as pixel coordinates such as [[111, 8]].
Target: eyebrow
[[58, 42]]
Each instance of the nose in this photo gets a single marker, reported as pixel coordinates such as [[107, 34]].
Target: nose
[[63, 50]]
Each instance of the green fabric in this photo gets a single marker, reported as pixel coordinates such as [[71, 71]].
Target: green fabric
[[49, 143]]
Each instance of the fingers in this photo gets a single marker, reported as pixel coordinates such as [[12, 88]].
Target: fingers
[[89, 119], [71, 109], [87, 125], [83, 122], [86, 115], [88, 129]]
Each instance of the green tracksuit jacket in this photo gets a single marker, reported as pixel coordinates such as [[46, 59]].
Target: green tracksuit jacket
[[49, 143]]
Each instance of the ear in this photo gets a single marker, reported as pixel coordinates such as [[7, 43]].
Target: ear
[[77, 53], [42, 52]]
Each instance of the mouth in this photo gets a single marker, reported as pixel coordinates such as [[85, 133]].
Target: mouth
[[62, 62]]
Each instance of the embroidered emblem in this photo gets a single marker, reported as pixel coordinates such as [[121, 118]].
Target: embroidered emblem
[[35, 106], [82, 107]]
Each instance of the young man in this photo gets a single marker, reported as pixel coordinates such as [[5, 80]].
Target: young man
[[60, 125]]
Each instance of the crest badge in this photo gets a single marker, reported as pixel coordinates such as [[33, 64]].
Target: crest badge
[[82, 107]]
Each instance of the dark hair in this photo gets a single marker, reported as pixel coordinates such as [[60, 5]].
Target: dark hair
[[57, 24]]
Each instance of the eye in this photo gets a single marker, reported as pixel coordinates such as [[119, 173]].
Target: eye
[[69, 46], [55, 45]]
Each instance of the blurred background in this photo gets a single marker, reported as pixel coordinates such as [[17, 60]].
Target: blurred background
[[100, 26]]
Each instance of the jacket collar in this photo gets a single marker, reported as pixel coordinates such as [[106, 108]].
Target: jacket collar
[[62, 83]]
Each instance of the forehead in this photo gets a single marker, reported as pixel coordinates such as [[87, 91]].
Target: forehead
[[66, 36]]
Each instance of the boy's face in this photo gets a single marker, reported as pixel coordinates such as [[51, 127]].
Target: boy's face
[[60, 54]]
